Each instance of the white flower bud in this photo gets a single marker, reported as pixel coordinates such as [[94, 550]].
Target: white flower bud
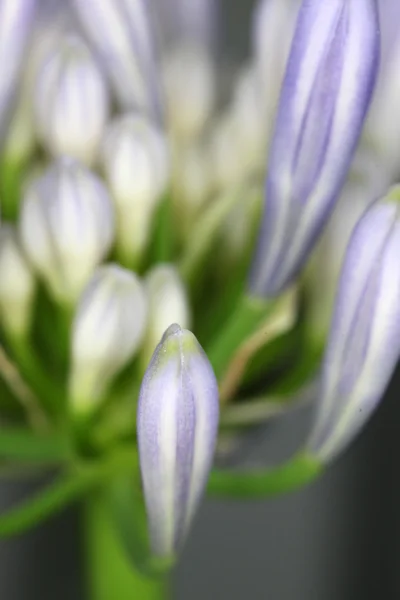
[[21, 140], [107, 331], [168, 303], [17, 284], [189, 82], [67, 227], [49, 28], [136, 164], [71, 101]]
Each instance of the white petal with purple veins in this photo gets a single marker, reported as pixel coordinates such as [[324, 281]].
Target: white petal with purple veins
[[364, 342], [177, 429], [326, 92], [71, 101], [67, 226]]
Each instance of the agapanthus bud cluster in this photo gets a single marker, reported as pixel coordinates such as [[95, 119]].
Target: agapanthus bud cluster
[[147, 283]]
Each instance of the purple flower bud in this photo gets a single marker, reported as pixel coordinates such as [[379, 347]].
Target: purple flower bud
[[16, 19], [364, 341], [121, 34], [177, 429], [326, 92]]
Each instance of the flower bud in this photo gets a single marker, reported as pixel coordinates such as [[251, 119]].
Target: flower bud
[[364, 341], [177, 428], [17, 284], [50, 26], [326, 92], [189, 81], [121, 34], [71, 101], [20, 142], [66, 227], [16, 18], [135, 161], [107, 331], [168, 303]]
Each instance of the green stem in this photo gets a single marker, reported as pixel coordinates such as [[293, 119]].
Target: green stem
[[23, 445], [246, 317], [68, 488], [11, 172], [206, 232], [32, 369], [298, 472], [111, 575]]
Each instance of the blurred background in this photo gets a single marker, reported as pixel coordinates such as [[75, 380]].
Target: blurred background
[[337, 539]]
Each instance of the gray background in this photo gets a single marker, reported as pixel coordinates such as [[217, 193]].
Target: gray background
[[339, 539]]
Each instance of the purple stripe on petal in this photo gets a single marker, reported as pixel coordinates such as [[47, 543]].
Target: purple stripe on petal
[[326, 92], [364, 343], [122, 36]]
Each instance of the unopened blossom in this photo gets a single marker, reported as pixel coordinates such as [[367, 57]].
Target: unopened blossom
[[71, 101], [17, 284], [364, 340], [107, 331], [325, 96], [135, 159], [177, 430], [66, 226], [168, 303]]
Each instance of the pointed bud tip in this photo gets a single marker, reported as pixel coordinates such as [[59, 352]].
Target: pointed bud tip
[[172, 330]]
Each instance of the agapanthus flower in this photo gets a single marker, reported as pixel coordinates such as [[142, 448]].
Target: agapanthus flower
[[155, 304]]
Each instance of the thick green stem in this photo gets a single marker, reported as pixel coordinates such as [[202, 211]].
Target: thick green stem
[[111, 576]]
